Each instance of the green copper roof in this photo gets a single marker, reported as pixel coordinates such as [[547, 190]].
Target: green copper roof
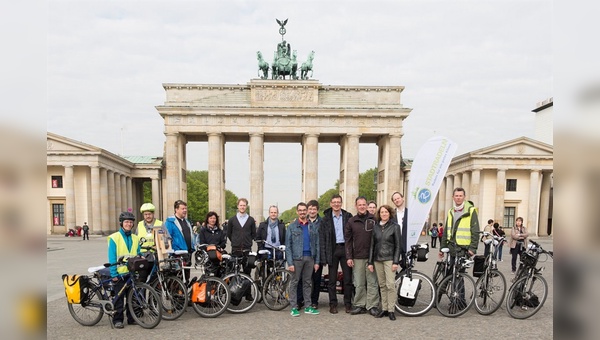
[[143, 159]]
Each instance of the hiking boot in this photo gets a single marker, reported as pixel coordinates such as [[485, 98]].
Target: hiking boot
[[310, 310], [333, 309], [294, 312]]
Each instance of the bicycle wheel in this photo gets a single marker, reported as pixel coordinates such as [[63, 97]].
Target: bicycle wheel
[[244, 292], [174, 297], [490, 289], [218, 300], [144, 305], [90, 311], [424, 299], [439, 272], [455, 295], [526, 296], [277, 289]]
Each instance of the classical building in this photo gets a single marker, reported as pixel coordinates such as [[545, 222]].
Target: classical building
[[506, 180], [544, 127], [88, 184], [292, 111]]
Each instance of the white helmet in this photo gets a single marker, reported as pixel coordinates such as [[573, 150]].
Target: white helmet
[[147, 207]]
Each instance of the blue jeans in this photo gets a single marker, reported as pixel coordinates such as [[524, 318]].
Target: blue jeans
[[498, 252]]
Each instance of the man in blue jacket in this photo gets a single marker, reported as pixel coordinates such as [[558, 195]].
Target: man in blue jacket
[[180, 231], [302, 256]]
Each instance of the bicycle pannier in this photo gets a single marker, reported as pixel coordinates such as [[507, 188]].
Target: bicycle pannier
[[250, 261], [408, 291], [140, 266], [478, 265], [238, 286], [422, 253], [76, 288], [199, 292], [214, 255]]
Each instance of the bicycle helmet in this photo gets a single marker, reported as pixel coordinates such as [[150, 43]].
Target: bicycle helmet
[[147, 207], [126, 215]]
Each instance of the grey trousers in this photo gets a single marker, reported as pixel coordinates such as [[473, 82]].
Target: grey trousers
[[303, 270], [366, 289]]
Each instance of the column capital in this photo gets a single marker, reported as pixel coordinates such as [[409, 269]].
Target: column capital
[[311, 134], [353, 135], [256, 134], [171, 134], [536, 170], [68, 166], [396, 134], [214, 134]]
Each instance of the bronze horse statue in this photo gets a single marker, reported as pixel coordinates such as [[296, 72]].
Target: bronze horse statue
[[307, 66], [283, 65], [262, 66]]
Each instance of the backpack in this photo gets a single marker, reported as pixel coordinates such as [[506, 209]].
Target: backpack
[[76, 288], [434, 232]]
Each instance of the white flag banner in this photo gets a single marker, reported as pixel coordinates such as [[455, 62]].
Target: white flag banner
[[426, 175]]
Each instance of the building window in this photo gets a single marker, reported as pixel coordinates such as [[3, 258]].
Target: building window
[[58, 214], [509, 217], [511, 185], [57, 182]]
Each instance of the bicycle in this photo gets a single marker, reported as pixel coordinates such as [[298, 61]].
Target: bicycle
[[490, 287], [455, 294], [527, 294], [143, 301], [440, 271], [163, 278], [414, 298], [274, 278], [215, 295], [244, 291]]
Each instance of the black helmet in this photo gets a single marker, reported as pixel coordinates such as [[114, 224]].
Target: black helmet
[[126, 215]]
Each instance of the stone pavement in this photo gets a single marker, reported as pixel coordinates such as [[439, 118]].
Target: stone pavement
[[74, 256]]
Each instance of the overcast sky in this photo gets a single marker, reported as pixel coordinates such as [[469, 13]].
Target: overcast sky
[[472, 70]]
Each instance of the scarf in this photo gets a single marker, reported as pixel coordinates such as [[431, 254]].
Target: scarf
[[273, 233]]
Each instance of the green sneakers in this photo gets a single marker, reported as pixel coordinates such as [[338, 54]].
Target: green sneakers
[[294, 312], [311, 310]]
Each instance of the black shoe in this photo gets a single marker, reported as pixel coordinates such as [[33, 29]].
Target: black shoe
[[131, 322], [358, 310], [381, 314], [374, 311], [119, 325], [333, 309], [300, 305], [392, 316], [315, 306]]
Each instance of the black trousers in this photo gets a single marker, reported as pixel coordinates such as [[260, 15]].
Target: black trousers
[[339, 259], [121, 303]]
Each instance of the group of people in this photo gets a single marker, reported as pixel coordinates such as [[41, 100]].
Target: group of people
[[368, 247]]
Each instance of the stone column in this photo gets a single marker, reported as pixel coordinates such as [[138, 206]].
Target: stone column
[[173, 169], [96, 222], [113, 216], [476, 187], [216, 188], [118, 197], [69, 184], [449, 189], [257, 150], [466, 183], [395, 177], [545, 203], [129, 186], [500, 190], [458, 180], [124, 205], [442, 202], [350, 171], [155, 195], [106, 223], [310, 167], [534, 201]]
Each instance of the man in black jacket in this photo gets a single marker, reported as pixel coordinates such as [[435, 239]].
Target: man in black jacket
[[241, 231], [271, 231], [333, 251]]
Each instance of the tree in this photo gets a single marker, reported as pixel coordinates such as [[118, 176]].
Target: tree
[[197, 188], [367, 186]]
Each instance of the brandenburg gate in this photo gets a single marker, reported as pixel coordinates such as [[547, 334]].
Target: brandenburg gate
[[295, 111]]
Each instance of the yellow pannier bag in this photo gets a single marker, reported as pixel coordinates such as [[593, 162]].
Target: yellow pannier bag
[[75, 288]]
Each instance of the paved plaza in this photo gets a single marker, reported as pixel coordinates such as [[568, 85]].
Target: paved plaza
[[74, 256]]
